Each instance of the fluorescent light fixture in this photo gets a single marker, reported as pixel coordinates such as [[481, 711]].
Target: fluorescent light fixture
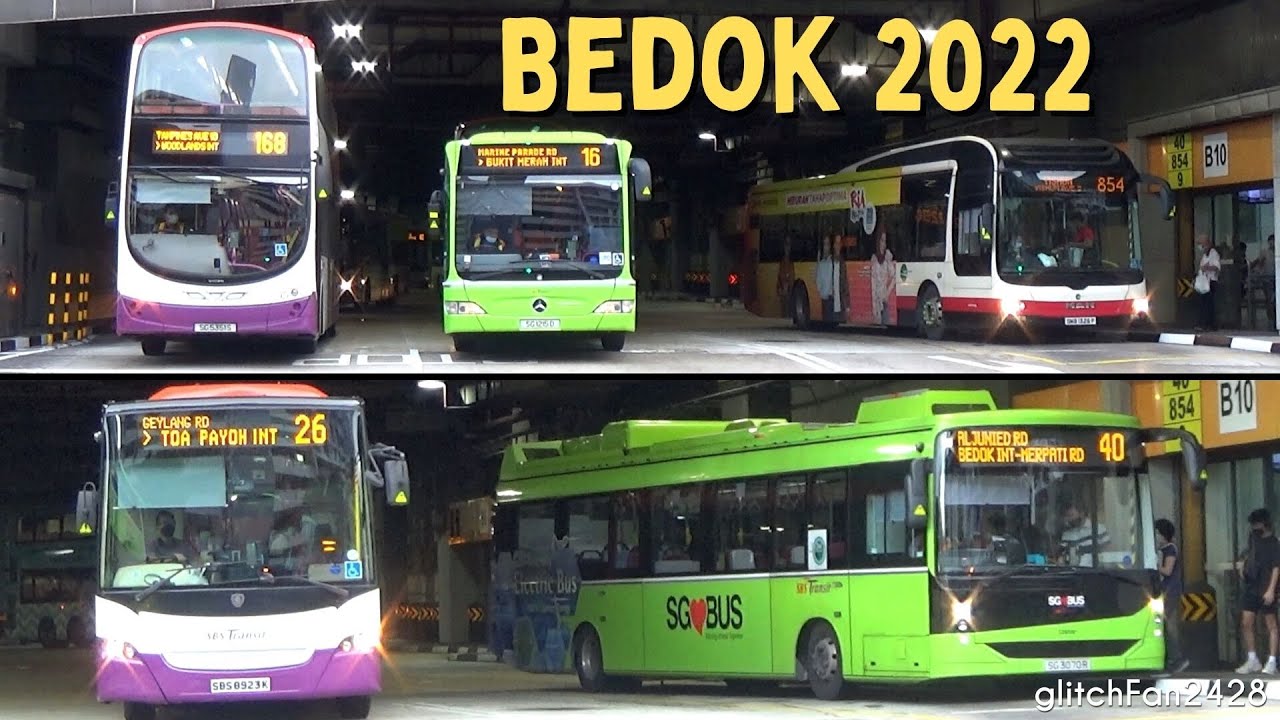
[[347, 194], [706, 136], [928, 34], [340, 144], [364, 66], [853, 70], [347, 31], [430, 385]]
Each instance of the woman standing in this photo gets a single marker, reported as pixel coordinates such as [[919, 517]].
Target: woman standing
[[1207, 282]]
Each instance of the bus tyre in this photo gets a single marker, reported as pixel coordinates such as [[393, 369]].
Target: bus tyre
[[355, 708], [153, 347], [800, 307], [588, 660], [929, 320], [76, 635], [822, 662], [307, 346], [464, 344], [613, 342], [139, 711], [47, 632]]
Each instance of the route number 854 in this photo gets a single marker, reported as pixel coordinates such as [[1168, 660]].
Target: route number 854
[[1005, 97]]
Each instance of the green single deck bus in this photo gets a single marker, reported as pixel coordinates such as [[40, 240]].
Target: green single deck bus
[[539, 228], [935, 537]]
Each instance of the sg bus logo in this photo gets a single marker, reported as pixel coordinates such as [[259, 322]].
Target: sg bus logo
[[713, 612], [1066, 601]]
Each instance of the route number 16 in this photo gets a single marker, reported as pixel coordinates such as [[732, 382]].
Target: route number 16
[[1005, 97]]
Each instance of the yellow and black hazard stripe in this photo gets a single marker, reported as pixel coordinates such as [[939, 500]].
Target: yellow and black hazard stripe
[[1199, 607]]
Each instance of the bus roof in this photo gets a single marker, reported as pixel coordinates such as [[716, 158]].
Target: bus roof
[[150, 35], [913, 416], [238, 390], [541, 136]]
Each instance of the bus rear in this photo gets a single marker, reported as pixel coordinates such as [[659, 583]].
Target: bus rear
[[227, 212], [539, 239], [237, 557]]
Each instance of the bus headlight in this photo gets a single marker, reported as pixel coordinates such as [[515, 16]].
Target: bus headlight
[[463, 308], [1157, 608], [616, 307], [360, 643], [1142, 306], [118, 650], [1011, 307], [962, 615]]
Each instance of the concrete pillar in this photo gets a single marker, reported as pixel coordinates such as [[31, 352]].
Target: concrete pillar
[[1159, 243], [717, 266], [677, 247], [459, 583]]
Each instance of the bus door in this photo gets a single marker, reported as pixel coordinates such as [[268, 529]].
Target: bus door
[[972, 265]]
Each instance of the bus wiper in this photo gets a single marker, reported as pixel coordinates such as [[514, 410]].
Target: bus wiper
[[168, 579], [270, 579]]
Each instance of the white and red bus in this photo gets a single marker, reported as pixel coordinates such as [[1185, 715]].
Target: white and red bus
[[229, 218], [956, 232]]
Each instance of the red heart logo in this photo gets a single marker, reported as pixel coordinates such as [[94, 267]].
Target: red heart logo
[[698, 614]]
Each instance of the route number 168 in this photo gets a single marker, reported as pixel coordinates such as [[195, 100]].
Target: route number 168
[[1005, 97]]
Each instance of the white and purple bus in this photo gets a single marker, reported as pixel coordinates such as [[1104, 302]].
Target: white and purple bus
[[228, 217], [237, 556]]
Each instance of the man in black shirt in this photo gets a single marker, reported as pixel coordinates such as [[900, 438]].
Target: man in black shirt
[[1260, 570]]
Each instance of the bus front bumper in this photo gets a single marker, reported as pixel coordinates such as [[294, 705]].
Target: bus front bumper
[[137, 318], [150, 679], [953, 656], [515, 324]]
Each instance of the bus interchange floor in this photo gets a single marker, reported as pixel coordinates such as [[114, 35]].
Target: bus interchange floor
[[672, 337], [56, 684]]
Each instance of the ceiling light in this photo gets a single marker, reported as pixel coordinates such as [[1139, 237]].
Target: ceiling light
[[340, 144], [853, 70], [928, 34], [347, 31], [706, 136]]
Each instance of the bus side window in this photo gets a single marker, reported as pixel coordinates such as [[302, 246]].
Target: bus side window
[[972, 243]]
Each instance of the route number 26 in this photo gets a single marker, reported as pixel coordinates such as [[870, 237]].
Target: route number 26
[[1005, 96], [312, 429]]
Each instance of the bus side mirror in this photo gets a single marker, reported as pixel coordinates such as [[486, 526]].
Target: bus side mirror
[[1164, 191], [87, 502], [395, 475], [111, 206], [1194, 462], [435, 215], [917, 502], [641, 179]]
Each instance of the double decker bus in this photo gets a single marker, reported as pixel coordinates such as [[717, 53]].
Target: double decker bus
[[1010, 542], [229, 216], [961, 232], [538, 228], [54, 567], [237, 548]]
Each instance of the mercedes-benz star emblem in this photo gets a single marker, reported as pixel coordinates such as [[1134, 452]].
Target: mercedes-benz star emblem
[[237, 600], [539, 305]]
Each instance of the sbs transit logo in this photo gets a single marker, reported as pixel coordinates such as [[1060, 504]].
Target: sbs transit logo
[[704, 614]]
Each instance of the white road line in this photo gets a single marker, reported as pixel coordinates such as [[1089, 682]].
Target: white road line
[[446, 358], [999, 366], [802, 358], [24, 353]]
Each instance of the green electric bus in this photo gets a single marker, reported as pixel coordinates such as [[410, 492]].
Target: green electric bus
[[934, 537], [538, 228]]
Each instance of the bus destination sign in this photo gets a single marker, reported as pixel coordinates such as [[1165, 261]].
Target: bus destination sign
[[201, 431], [1041, 445], [178, 141], [523, 159]]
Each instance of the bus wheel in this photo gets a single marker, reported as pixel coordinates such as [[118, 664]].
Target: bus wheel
[[823, 663], [588, 660], [47, 632], [929, 320], [153, 346], [76, 632], [800, 307], [355, 708], [139, 711], [307, 346], [464, 344], [613, 342]]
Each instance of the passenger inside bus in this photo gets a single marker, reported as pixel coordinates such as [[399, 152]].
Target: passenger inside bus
[[170, 223]]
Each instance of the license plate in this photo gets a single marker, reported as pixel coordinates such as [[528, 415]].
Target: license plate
[[1082, 321], [1067, 665], [240, 685], [215, 327], [540, 324]]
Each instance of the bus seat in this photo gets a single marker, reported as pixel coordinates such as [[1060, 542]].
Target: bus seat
[[742, 559], [798, 557]]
